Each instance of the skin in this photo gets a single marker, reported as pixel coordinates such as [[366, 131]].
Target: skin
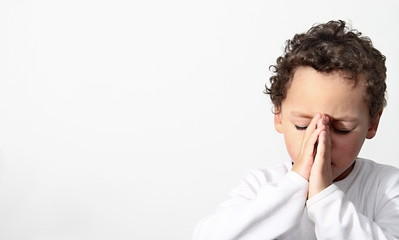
[[333, 121]]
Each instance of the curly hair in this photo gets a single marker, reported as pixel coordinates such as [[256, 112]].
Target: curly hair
[[326, 48]]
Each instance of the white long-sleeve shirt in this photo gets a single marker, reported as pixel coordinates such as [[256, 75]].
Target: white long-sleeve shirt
[[271, 204]]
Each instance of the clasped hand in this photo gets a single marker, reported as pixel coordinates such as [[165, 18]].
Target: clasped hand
[[314, 159]]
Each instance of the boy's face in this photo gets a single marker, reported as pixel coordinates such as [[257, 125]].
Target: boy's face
[[312, 92]]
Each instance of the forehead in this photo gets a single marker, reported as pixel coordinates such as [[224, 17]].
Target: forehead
[[332, 93], [305, 72]]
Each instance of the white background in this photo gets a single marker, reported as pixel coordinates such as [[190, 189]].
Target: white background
[[134, 119]]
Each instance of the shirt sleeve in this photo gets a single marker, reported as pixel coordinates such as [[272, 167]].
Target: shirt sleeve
[[337, 218], [257, 209]]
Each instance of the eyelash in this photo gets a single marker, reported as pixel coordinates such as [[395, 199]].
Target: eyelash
[[300, 128], [343, 132]]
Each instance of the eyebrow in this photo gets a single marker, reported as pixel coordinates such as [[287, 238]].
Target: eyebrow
[[339, 119]]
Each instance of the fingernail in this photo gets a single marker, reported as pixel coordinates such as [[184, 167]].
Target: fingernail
[[326, 120]]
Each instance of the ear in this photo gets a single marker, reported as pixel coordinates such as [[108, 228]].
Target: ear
[[277, 122], [374, 126]]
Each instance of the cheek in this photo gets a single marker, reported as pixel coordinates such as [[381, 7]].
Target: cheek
[[293, 140], [346, 148]]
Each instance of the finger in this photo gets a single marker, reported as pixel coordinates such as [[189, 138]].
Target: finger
[[326, 120], [321, 172], [320, 122], [323, 154], [312, 125], [310, 129], [328, 132], [321, 149], [309, 145]]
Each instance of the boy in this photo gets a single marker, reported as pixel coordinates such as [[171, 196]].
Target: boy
[[328, 91]]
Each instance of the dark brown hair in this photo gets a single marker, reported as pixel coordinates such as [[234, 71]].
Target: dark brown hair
[[331, 47]]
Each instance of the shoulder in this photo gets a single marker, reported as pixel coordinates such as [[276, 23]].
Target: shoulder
[[383, 181], [270, 174], [371, 167], [256, 178], [381, 174]]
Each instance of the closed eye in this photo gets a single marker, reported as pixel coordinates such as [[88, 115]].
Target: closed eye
[[339, 131], [300, 128]]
